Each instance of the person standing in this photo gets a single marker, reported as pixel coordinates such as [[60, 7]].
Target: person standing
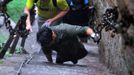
[[46, 11]]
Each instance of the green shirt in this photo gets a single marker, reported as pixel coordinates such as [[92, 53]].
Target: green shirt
[[67, 44], [49, 10]]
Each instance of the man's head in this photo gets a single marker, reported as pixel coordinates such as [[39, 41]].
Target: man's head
[[44, 36]]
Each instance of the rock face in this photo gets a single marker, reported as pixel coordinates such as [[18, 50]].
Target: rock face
[[118, 52]]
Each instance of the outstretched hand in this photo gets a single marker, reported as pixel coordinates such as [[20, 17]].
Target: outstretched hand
[[48, 22], [96, 38]]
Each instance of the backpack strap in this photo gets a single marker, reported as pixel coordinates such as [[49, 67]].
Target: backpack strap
[[73, 4], [35, 1], [70, 3], [55, 3]]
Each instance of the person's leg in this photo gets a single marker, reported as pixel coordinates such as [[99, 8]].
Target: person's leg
[[82, 52], [77, 52], [61, 60]]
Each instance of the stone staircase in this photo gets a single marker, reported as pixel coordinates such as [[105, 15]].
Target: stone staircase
[[89, 65]]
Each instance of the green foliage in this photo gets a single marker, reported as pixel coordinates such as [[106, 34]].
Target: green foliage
[[3, 38], [8, 54], [15, 9], [19, 51]]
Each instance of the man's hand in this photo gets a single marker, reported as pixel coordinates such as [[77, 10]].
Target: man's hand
[[96, 37], [28, 25], [48, 22], [29, 28], [28, 22]]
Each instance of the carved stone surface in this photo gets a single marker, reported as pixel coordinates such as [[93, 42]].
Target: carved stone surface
[[114, 53]]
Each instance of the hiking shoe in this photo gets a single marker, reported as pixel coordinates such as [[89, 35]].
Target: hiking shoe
[[74, 61]]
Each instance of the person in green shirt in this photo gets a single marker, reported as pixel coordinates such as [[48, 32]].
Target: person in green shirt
[[64, 39], [46, 11]]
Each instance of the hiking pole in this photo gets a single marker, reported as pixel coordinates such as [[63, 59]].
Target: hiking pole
[[25, 62], [24, 36], [17, 31], [20, 32], [22, 64], [6, 46], [23, 44], [14, 44]]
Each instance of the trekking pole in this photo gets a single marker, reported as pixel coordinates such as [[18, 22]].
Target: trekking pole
[[25, 62], [14, 44], [18, 31], [22, 64], [6, 46]]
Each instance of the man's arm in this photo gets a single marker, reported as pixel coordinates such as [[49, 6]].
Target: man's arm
[[60, 15], [63, 8], [57, 17], [28, 22], [48, 53], [28, 7], [72, 29], [75, 30]]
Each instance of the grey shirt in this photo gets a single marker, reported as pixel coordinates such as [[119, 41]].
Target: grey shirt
[[67, 44]]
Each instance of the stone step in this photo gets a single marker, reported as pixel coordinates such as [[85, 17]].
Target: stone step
[[39, 66], [82, 68]]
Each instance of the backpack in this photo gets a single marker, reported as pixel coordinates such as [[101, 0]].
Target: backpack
[[54, 2], [73, 5], [78, 13]]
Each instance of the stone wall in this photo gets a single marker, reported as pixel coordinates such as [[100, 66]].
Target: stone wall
[[114, 52]]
